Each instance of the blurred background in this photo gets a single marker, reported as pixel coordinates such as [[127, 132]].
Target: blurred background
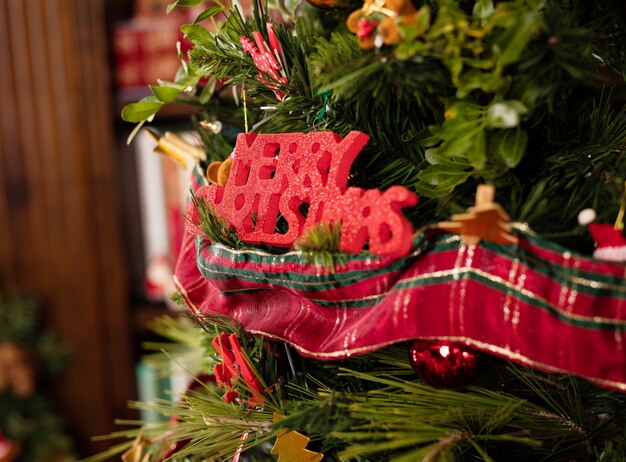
[[74, 234]]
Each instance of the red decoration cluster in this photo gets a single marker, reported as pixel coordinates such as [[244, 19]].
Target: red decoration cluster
[[278, 173], [366, 28], [233, 368], [266, 59]]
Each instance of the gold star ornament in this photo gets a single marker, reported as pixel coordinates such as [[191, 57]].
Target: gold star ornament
[[485, 221], [290, 446]]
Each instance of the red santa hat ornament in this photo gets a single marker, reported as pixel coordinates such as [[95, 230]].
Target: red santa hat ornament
[[610, 243]]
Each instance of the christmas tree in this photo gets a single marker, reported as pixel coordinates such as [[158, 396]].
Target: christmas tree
[[30, 429], [383, 255]]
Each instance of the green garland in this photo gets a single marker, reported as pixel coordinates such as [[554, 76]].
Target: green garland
[[373, 407]]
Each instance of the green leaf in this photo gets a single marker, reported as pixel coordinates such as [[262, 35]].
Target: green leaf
[[195, 32], [165, 94], [510, 145], [426, 190], [477, 80], [207, 91], [185, 77], [445, 176], [167, 83], [407, 49], [208, 13], [459, 135], [477, 153], [455, 65], [173, 5], [141, 110], [463, 110], [182, 74], [434, 156], [483, 9], [423, 20], [509, 45]]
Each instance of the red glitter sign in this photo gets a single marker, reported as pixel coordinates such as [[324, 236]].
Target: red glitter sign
[[278, 173]]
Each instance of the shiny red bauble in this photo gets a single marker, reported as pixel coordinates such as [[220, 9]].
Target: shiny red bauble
[[445, 364]]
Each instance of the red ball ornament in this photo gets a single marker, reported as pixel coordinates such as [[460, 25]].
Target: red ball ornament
[[444, 364]]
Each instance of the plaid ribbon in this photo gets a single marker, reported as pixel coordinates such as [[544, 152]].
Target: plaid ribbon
[[534, 303]]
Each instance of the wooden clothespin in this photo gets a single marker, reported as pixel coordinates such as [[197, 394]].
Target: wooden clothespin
[[484, 221], [177, 148]]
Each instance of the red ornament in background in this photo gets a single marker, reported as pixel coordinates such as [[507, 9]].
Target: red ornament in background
[[278, 173], [444, 364], [610, 240], [9, 450], [611, 244], [366, 28]]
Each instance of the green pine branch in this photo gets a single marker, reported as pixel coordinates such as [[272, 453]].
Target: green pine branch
[[372, 408], [320, 246], [212, 226]]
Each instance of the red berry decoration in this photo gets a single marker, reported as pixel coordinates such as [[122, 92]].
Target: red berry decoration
[[444, 364]]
